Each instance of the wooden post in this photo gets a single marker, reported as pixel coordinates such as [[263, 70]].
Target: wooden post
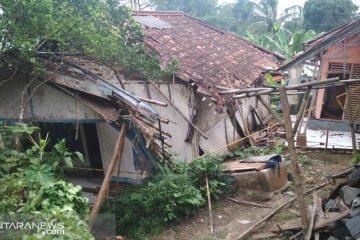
[[303, 105], [209, 203], [106, 182], [351, 120], [178, 110], [266, 105], [294, 159]]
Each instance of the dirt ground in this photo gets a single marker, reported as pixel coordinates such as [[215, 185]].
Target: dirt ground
[[231, 219]]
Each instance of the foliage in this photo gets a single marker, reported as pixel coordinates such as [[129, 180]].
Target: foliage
[[258, 151], [197, 8], [175, 192], [323, 16], [266, 16], [355, 159], [59, 194], [101, 30], [30, 184]]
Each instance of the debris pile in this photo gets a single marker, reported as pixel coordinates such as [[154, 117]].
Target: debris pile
[[335, 218]]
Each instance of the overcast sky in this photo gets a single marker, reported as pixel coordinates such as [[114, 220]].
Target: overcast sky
[[283, 4]]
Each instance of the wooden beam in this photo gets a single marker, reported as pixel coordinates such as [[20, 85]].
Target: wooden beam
[[303, 105], [270, 215], [106, 182], [272, 111], [351, 120], [153, 101], [294, 159], [178, 110], [239, 91]]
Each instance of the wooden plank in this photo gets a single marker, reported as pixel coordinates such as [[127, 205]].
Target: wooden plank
[[106, 182], [270, 215], [265, 235], [351, 119], [237, 166], [296, 223], [248, 203]]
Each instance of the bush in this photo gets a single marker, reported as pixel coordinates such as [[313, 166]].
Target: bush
[[175, 192]]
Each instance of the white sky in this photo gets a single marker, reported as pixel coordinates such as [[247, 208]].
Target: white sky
[[283, 4]]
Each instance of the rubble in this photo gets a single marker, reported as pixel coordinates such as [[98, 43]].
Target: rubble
[[335, 218]]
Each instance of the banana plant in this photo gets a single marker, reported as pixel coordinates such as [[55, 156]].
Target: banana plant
[[286, 42]]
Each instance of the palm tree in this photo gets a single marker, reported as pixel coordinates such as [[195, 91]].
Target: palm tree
[[266, 16]]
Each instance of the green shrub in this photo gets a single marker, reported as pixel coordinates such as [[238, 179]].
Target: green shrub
[[175, 192], [58, 194]]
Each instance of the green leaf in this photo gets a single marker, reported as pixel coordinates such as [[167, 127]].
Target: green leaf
[[270, 80], [80, 156], [69, 162]]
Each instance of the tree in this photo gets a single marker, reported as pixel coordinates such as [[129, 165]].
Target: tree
[[266, 15], [286, 42], [102, 30], [322, 17], [197, 8]]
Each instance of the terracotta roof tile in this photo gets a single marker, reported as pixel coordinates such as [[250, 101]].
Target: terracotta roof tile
[[207, 55]]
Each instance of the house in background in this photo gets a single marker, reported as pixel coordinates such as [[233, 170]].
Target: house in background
[[209, 58], [333, 54]]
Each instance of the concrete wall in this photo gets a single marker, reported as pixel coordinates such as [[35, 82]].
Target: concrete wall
[[182, 97]]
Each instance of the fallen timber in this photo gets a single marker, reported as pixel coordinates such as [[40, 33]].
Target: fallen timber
[[270, 90]]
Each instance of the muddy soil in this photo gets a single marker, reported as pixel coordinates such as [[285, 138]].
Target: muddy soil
[[232, 219]]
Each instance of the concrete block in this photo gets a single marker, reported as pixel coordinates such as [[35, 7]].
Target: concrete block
[[267, 180], [348, 194], [353, 225]]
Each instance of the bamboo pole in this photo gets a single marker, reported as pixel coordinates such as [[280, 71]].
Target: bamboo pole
[[270, 215], [209, 203], [266, 105], [178, 110], [294, 159], [238, 91], [351, 120], [303, 105], [106, 182]]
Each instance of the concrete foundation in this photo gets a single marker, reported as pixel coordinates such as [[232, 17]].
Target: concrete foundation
[[267, 180]]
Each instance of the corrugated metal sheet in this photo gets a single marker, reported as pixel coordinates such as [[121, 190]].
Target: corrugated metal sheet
[[152, 22]]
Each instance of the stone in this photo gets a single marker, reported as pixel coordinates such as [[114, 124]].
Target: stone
[[354, 176], [353, 225], [348, 194], [331, 205], [332, 238], [309, 180], [355, 207]]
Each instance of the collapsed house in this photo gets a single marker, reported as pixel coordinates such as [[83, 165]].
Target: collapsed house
[[183, 116], [209, 60], [333, 54]]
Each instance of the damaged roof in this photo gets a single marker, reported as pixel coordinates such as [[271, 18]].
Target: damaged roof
[[208, 56], [325, 41]]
